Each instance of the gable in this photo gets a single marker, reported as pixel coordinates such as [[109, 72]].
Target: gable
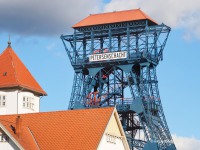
[[113, 127], [6, 140], [114, 136]]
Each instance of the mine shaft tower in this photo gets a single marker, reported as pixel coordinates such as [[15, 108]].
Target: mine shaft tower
[[114, 56]]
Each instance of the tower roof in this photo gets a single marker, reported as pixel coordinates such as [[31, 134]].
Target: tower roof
[[14, 74], [114, 17]]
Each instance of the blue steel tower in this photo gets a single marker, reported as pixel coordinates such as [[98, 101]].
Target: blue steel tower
[[114, 56]]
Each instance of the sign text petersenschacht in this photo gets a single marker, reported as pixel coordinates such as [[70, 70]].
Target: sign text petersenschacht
[[108, 56]]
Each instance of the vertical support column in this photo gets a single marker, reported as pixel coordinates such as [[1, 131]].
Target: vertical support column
[[108, 88], [92, 41], [136, 44], [114, 91], [110, 40], [145, 94], [76, 89], [122, 86], [119, 42], [100, 82], [128, 41], [101, 44], [144, 78], [162, 127], [74, 47], [84, 49], [153, 120], [146, 41], [155, 45], [84, 92], [129, 76]]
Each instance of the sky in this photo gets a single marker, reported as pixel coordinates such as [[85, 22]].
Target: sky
[[35, 27]]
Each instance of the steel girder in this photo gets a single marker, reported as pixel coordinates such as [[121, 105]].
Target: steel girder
[[105, 83], [140, 42]]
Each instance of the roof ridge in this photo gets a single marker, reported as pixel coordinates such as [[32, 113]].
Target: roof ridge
[[117, 11], [13, 65], [34, 138], [57, 111]]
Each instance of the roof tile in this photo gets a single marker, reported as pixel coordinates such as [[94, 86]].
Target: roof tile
[[13, 73], [71, 130], [114, 17]]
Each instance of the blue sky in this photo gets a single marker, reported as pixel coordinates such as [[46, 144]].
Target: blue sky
[[35, 30]]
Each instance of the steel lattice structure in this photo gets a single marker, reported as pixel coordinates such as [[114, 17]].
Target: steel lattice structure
[[104, 83]]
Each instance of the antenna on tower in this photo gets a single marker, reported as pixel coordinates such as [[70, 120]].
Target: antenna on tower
[[9, 42]]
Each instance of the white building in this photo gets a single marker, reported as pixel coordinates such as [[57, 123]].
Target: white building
[[19, 91]]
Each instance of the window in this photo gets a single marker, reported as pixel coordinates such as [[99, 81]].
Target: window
[[2, 100], [28, 102], [111, 138], [3, 137]]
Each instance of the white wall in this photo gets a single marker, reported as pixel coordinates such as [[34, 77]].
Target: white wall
[[36, 101], [11, 102], [113, 137], [14, 102]]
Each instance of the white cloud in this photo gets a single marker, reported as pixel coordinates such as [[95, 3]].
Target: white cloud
[[186, 143], [36, 17], [181, 143], [177, 14], [43, 17]]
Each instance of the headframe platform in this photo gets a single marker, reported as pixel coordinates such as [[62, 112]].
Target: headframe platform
[[113, 53]]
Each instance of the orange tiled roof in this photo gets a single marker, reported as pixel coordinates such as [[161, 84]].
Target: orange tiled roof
[[61, 130], [113, 17], [13, 73]]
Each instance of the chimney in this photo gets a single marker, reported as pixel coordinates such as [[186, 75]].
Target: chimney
[[18, 126]]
